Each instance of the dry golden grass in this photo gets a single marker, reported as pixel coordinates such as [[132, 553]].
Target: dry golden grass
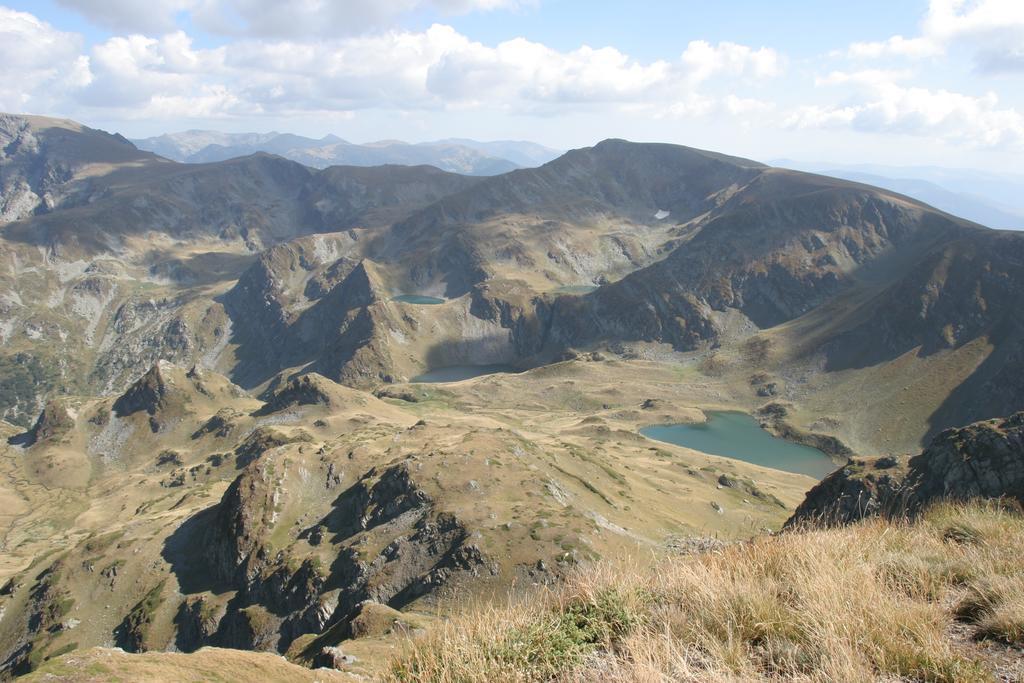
[[875, 601]]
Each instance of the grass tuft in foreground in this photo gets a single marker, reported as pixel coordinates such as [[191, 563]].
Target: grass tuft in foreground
[[879, 600]]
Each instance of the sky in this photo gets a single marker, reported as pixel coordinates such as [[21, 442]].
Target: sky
[[910, 82]]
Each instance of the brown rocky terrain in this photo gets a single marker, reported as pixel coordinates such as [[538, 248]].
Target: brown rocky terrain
[[213, 437]]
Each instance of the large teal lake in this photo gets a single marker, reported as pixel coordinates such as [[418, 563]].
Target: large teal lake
[[457, 373], [739, 436]]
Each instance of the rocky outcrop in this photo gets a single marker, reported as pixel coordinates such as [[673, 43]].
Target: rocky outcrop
[[220, 425], [306, 390], [362, 287], [360, 355], [261, 440], [53, 422], [749, 487], [259, 303], [864, 487], [142, 332], [333, 331], [46, 615], [282, 594], [147, 394], [981, 460], [249, 628]]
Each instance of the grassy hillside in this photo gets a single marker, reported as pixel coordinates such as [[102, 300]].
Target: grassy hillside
[[935, 600]]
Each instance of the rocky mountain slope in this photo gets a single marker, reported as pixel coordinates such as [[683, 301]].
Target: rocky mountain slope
[[458, 156], [126, 264], [213, 435], [690, 250], [50, 163]]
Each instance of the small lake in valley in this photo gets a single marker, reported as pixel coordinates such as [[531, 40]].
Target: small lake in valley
[[418, 299], [739, 436]]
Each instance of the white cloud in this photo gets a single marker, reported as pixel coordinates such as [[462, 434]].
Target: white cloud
[[131, 71], [742, 106], [705, 61], [528, 72], [136, 76], [882, 105], [39, 62], [387, 70], [523, 71], [993, 29], [743, 111], [320, 55]]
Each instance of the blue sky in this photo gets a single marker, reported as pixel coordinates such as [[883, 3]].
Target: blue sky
[[654, 29], [914, 82]]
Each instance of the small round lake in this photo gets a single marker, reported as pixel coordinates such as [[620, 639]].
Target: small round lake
[[739, 436], [417, 299], [457, 373]]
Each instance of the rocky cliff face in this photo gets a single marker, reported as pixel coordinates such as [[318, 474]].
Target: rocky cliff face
[[981, 460]]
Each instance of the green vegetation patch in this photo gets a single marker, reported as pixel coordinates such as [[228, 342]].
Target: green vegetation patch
[[23, 377], [557, 643]]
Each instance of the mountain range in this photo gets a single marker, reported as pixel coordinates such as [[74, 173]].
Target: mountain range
[[217, 432], [455, 155]]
